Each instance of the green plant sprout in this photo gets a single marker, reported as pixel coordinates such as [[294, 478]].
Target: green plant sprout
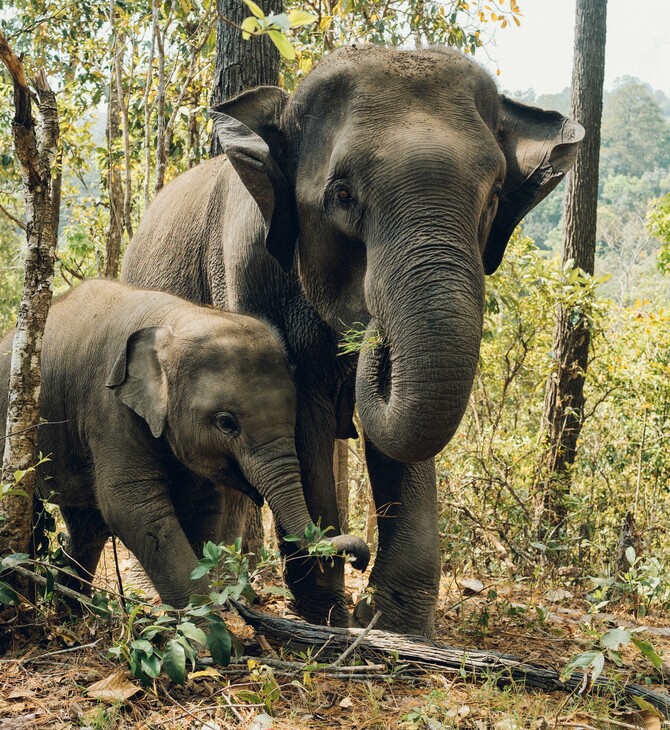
[[353, 339]]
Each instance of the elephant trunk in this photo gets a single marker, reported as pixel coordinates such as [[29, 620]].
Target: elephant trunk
[[421, 348], [278, 480]]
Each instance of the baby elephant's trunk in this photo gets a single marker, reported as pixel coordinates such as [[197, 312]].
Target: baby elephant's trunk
[[278, 480]]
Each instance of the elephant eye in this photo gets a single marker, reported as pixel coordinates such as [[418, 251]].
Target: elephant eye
[[495, 194], [343, 194], [227, 423]]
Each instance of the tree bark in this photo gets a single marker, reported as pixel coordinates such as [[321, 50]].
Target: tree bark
[[161, 156], [564, 397], [341, 474], [35, 161], [240, 64], [114, 182]]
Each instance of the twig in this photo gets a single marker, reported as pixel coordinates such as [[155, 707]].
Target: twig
[[39, 657], [360, 638], [56, 586], [232, 708], [118, 576], [12, 218]]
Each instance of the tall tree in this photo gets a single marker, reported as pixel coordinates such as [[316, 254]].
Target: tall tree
[[564, 398], [35, 155]]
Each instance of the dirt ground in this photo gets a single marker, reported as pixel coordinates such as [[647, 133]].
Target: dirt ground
[[51, 672]]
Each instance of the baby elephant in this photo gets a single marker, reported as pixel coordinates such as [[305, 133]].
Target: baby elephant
[[153, 406]]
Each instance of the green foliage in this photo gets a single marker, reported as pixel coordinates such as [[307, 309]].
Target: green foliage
[[315, 541], [156, 639], [635, 135], [491, 474], [608, 648], [658, 223]]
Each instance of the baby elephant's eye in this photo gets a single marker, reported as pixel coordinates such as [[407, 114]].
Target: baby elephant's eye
[[227, 423]]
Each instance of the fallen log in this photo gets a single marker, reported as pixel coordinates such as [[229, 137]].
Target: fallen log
[[424, 655]]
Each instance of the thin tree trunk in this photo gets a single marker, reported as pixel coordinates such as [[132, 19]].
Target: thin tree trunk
[[194, 132], [564, 398], [114, 182], [148, 107], [125, 125], [35, 160], [161, 157], [341, 474]]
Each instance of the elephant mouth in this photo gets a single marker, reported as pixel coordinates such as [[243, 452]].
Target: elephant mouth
[[232, 477]]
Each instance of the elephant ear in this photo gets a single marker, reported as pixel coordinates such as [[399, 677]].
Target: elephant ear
[[248, 128], [138, 378], [540, 147]]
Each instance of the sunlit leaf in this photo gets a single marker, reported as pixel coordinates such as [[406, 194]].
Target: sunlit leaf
[[254, 8], [298, 18]]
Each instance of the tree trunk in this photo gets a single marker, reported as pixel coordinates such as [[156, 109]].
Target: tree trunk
[[564, 398], [240, 64], [341, 474], [114, 183], [35, 160], [161, 158]]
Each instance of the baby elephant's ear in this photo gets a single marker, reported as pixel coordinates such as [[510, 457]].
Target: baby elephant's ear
[[138, 378]]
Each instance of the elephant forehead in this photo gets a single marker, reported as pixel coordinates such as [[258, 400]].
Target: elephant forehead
[[397, 81]]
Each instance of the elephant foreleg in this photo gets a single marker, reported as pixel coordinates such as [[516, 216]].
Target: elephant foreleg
[[139, 510], [87, 535], [406, 575]]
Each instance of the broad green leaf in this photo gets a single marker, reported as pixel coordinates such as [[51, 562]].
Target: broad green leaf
[[630, 555], [283, 44], [174, 661], [298, 18], [584, 661], [200, 571], [279, 22], [218, 640], [142, 645], [615, 638], [249, 26], [8, 596], [151, 665], [192, 632], [254, 8], [648, 650], [211, 551], [10, 561]]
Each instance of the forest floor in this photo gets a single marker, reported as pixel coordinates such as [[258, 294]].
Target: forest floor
[[50, 673]]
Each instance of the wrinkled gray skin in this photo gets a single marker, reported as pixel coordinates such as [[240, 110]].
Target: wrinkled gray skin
[[154, 404], [380, 192]]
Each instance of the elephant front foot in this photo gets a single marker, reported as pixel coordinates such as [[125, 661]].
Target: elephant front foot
[[326, 611], [318, 590], [402, 612]]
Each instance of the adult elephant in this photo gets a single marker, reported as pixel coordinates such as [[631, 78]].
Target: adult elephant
[[380, 192]]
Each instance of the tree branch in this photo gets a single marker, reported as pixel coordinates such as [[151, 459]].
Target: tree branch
[[14, 220]]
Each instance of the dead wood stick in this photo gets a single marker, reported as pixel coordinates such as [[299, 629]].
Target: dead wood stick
[[360, 638], [425, 655]]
